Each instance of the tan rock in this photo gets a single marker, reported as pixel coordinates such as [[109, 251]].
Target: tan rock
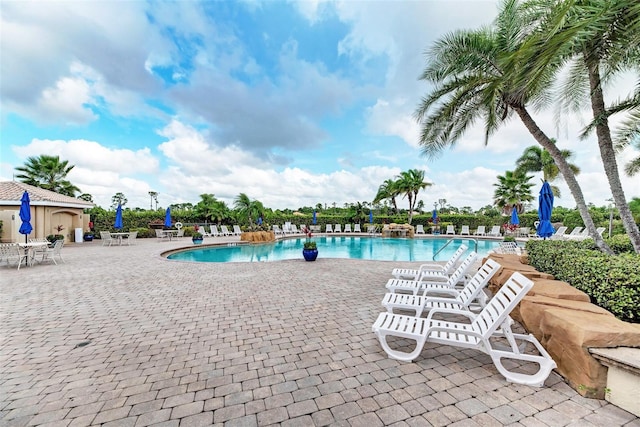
[[258, 236]]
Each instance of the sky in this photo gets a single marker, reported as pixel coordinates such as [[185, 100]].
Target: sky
[[293, 103]]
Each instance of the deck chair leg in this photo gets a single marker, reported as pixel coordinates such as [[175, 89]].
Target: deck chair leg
[[401, 355]]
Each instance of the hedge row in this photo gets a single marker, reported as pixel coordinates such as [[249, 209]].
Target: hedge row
[[612, 282]]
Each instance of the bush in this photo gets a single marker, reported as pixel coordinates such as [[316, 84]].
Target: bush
[[612, 282], [620, 243]]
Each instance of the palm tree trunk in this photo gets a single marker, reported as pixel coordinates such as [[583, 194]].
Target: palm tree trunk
[[607, 152], [567, 173]]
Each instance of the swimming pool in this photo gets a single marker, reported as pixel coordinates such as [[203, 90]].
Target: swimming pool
[[369, 248]]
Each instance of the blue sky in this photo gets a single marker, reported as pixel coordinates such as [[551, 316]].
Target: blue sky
[[292, 103]]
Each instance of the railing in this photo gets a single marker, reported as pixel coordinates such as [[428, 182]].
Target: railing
[[451, 240]]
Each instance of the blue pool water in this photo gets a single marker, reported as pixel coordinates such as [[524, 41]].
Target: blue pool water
[[336, 247]]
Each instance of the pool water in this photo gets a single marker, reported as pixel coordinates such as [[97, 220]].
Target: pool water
[[369, 248]]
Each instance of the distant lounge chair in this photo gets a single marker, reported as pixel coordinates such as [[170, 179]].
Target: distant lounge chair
[[420, 229], [559, 234], [347, 228], [356, 228], [328, 228], [214, 230], [495, 231], [337, 228], [575, 232], [464, 230], [451, 229], [224, 230], [277, 230], [480, 231], [414, 274], [236, 230], [203, 230]]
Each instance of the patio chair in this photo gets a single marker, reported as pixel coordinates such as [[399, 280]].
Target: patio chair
[[214, 230], [480, 231], [12, 252], [224, 231], [491, 324], [472, 291], [575, 232], [495, 231], [372, 229], [328, 228], [447, 268], [236, 230], [450, 282], [131, 238], [50, 254], [202, 229], [337, 228], [420, 229], [107, 240], [347, 228], [451, 229], [559, 234], [356, 228], [464, 230], [277, 230]]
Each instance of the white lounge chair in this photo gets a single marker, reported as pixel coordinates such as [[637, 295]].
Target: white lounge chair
[[328, 228], [480, 334], [449, 282], [356, 228], [508, 248], [224, 231], [372, 229], [277, 230], [337, 228], [236, 230], [420, 229], [414, 274], [472, 291], [575, 232], [495, 231], [559, 234], [202, 229], [214, 230], [347, 228], [464, 230], [451, 229], [480, 231]]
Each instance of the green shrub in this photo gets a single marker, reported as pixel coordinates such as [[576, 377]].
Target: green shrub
[[612, 282], [620, 243]]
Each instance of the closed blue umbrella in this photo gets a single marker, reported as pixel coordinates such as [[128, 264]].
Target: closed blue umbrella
[[167, 218], [25, 216], [371, 217], [259, 220], [545, 206], [118, 224], [514, 217], [434, 216], [314, 221]]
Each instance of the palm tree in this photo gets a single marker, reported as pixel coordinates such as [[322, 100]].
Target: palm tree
[[118, 199], [512, 190], [48, 172], [388, 190], [410, 183], [537, 159], [476, 75], [599, 38], [248, 209], [211, 209]]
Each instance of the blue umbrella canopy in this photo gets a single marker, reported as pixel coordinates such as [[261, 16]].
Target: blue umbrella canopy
[[118, 223], [514, 217], [314, 221], [545, 206], [25, 215], [371, 217], [259, 220], [434, 216], [167, 218]]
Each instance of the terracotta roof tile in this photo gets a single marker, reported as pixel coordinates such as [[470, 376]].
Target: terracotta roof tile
[[11, 193]]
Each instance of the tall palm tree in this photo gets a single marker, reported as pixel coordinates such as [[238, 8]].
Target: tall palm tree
[[211, 209], [512, 190], [475, 75], [410, 183], [597, 38], [248, 209], [388, 190], [48, 172], [537, 159]]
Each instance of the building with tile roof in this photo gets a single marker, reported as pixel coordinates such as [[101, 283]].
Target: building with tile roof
[[49, 211]]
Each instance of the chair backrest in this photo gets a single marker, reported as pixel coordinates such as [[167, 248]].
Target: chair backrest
[[338, 228], [57, 246], [480, 229], [159, 233], [180, 232], [347, 228], [419, 229], [451, 263], [356, 228], [328, 228], [294, 228], [224, 230], [214, 230], [575, 231], [451, 229], [462, 269], [477, 283], [508, 248], [560, 231], [236, 230], [464, 229], [498, 308], [105, 235], [495, 230], [600, 230]]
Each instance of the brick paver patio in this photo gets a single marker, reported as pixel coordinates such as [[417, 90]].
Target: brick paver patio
[[119, 336]]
